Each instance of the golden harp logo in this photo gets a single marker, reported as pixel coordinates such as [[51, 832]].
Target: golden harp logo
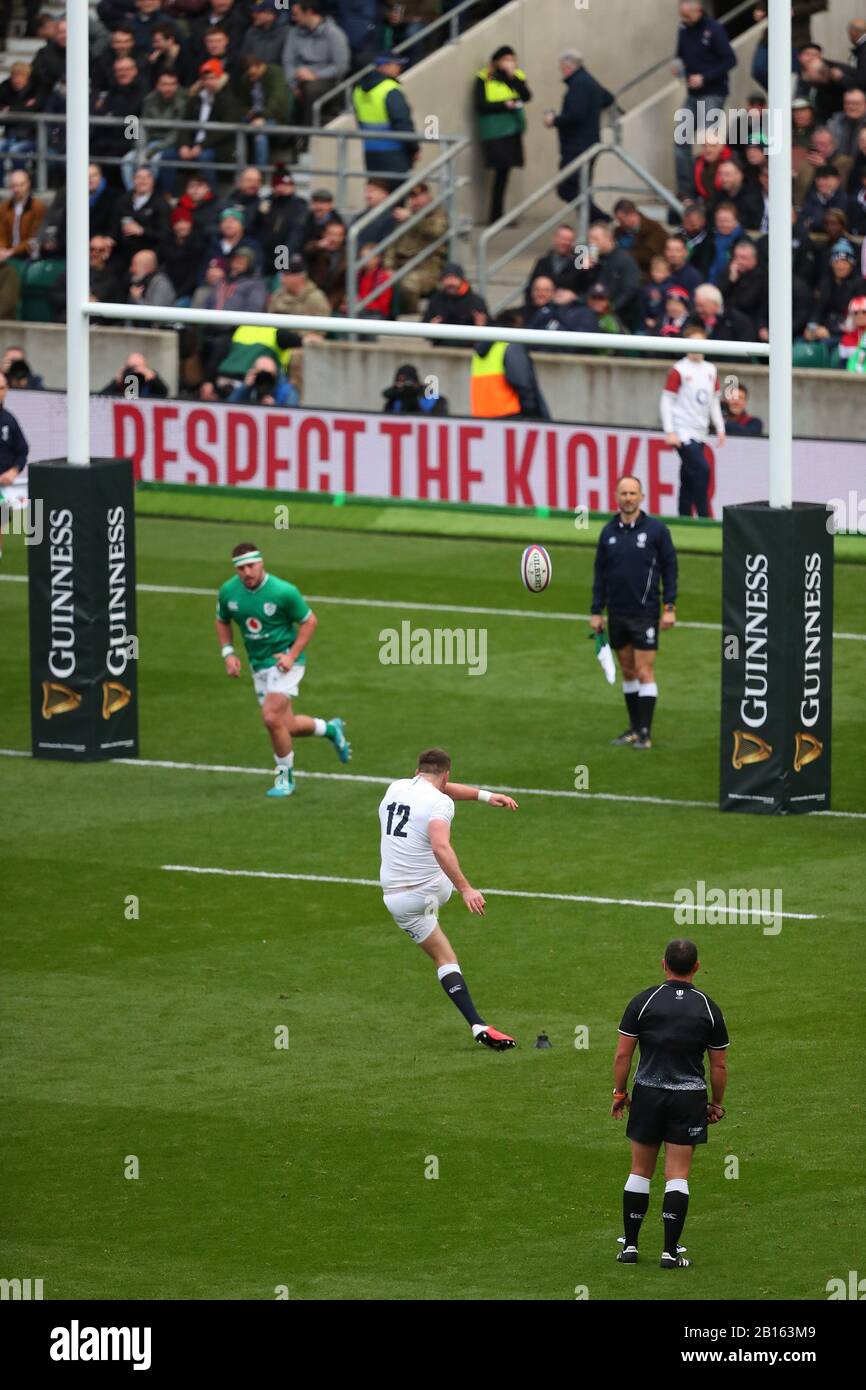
[[750, 748], [114, 697], [58, 699], [807, 749]]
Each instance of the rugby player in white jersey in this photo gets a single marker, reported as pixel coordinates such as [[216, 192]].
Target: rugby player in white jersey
[[420, 870]]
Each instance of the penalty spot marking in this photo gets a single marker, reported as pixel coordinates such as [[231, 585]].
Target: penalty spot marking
[[556, 793], [488, 892], [422, 607]]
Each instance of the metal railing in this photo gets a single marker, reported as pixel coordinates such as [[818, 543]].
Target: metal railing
[[450, 184], [582, 166], [43, 156], [343, 90]]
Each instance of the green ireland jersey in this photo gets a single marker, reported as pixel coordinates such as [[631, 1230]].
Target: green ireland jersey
[[268, 616]]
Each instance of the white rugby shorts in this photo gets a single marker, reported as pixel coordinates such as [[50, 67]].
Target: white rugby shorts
[[273, 681], [416, 910]]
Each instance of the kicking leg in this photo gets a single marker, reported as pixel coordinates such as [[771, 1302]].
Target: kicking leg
[[635, 1197], [678, 1162], [439, 949]]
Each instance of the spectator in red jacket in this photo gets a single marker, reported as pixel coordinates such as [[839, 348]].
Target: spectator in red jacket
[[710, 155], [370, 277]]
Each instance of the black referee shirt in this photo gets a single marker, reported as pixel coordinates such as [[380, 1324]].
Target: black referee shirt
[[674, 1024], [632, 561]]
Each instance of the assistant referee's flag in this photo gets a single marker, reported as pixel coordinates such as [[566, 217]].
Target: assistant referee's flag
[[605, 655]]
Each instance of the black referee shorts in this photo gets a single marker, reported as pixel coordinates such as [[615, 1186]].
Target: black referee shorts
[[674, 1117], [633, 630]]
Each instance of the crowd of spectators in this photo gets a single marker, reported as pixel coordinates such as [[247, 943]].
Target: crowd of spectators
[[170, 228]]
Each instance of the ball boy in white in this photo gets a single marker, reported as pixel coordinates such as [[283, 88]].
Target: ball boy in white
[[690, 401]]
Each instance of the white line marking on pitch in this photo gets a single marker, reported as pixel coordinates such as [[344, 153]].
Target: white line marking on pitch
[[488, 892], [167, 763], [422, 607]]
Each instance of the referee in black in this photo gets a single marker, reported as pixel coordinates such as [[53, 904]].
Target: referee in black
[[635, 557], [674, 1023], [13, 448]]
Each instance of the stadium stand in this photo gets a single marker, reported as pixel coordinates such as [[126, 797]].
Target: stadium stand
[[210, 175]]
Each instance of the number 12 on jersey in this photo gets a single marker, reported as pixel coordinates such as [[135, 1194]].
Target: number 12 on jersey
[[402, 812]]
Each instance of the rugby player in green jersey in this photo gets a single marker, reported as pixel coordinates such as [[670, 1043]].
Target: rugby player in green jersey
[[276, 624]]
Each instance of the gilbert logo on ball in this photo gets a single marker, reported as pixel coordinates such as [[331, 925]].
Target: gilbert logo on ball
[[536, 568]]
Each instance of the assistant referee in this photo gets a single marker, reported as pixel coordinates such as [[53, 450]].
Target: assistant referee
[[674, 1024], [634, 559]]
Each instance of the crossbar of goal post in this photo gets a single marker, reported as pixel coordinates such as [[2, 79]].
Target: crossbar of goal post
[[449, 333]]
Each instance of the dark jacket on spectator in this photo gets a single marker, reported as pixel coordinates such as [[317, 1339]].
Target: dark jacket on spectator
[[155, 388], [327, 269], [455, 308], [11, 101], [153, 217], [704, 48], [266, 44], [560, 269], [815, 208], [182, 262], [749, 294], [283, 225], [277, 101], [226, 107], [749, 203], [235, 22], [120, 102], [731, 326], [618, 272], [579, 120], [834, 296], [49, 67]]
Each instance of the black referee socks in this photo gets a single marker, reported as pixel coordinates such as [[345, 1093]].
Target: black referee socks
[[635, 1200], [630, 694], [454, 986], [674, 1214], [646, 700]]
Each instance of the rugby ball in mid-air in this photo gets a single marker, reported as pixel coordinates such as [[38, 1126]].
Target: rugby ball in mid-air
[[536, 568]]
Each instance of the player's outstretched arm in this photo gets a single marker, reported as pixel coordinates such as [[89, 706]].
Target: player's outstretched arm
[[439, 832], [458, 791]]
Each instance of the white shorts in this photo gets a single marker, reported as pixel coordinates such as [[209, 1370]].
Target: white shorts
[[273, 681], [416, 910]]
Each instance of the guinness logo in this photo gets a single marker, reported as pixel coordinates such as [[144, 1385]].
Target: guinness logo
[[58, 699], [114, 697], [807, 749], [750, 748]]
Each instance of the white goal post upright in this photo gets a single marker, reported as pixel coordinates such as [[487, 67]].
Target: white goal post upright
[[77, 232], [780, 258]]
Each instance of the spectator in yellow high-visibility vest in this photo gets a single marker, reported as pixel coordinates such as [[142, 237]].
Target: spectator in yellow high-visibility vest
[[503, 383], [499, 98], [381, 108]]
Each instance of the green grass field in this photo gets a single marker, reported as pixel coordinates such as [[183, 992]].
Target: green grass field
[[305, 1167]]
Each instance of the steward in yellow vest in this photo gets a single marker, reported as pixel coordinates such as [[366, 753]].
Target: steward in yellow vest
[[380, 108], [499, 97], [503, 383]]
